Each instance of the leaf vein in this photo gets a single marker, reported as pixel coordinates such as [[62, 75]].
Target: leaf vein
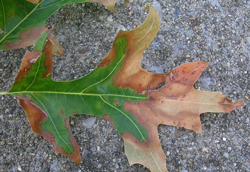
[[20, 22], [39, 64], [105, 77], [58, 133], [143, 138], [73, 93]]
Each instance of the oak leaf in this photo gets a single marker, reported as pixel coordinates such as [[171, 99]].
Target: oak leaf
[[22, 22], [118, 90]]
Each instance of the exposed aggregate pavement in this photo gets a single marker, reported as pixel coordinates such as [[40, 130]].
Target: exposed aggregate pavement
[[216, 31]]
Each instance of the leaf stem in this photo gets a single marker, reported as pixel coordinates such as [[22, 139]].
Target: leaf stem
[[4, 93]]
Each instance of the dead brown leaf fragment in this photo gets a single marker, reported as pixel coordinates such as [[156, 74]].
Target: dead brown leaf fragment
[[26, 38], [177, 103], [57, 48], [30, 37]]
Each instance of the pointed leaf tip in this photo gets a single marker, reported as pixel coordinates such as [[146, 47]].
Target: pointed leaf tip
[[131, 75], [187, 73]]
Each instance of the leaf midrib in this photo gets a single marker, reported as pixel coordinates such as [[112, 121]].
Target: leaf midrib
[[75, 93]]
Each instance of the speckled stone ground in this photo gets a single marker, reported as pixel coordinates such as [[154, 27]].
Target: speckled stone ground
[[216, 31]]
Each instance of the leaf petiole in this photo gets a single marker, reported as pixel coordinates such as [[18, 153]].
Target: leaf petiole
[[4, 93]]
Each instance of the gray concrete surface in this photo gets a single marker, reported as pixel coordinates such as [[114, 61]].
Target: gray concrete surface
[[216, 31]]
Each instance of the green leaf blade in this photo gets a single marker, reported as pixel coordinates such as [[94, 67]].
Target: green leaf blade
[[22, 22], [95, 94]]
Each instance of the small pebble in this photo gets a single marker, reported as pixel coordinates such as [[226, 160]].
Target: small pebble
[[216, 163], [19, 168], [178, 133], [101, 18], [247, 120], [168, 153], [110, 18], [46, 169], [204, 149], [88, 123], [226, 155]]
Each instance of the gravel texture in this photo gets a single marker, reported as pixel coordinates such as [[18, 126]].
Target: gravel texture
[[216, 31]]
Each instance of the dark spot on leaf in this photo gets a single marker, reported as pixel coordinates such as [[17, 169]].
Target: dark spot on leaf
[[61, 112], [116, 103], [10, 15]]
